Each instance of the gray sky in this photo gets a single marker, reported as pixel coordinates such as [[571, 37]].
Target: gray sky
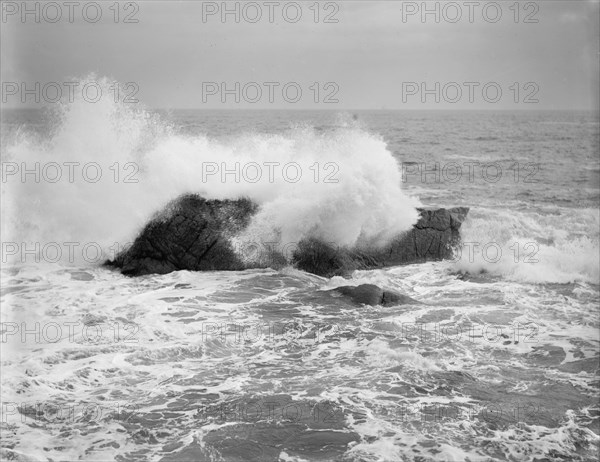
[[368, 54]]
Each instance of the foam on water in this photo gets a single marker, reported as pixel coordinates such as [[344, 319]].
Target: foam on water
[[359, 358], [560, 246]]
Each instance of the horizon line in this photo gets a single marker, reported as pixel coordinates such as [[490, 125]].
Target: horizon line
[[334, 109]]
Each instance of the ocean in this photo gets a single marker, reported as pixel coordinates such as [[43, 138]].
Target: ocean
[[498, 362]]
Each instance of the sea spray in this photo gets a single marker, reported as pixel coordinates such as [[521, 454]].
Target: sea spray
[[560, 246], [114, 165]]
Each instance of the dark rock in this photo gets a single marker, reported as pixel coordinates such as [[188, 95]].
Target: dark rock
[[317, 257], [194, 234], [370, 294], [191, 234], [432, 238]]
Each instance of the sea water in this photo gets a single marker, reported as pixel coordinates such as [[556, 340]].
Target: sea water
[[499, 361]]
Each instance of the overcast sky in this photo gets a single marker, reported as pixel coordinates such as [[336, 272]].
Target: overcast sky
[[371, 54]]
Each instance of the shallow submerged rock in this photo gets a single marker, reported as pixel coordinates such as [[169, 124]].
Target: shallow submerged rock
[[193, 233], [370, 294]]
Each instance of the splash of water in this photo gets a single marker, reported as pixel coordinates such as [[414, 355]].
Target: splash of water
[[340, 185], [560, 247]]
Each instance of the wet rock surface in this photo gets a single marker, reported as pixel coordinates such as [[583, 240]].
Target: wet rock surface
[[432, 238], [193, 233], [370, 294]]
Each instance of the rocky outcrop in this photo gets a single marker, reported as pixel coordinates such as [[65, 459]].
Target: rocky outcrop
[[194, 233], [370, 294], [432, 238]]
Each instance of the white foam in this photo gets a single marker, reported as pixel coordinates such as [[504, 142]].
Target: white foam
[[561, 247], [366, 201]]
